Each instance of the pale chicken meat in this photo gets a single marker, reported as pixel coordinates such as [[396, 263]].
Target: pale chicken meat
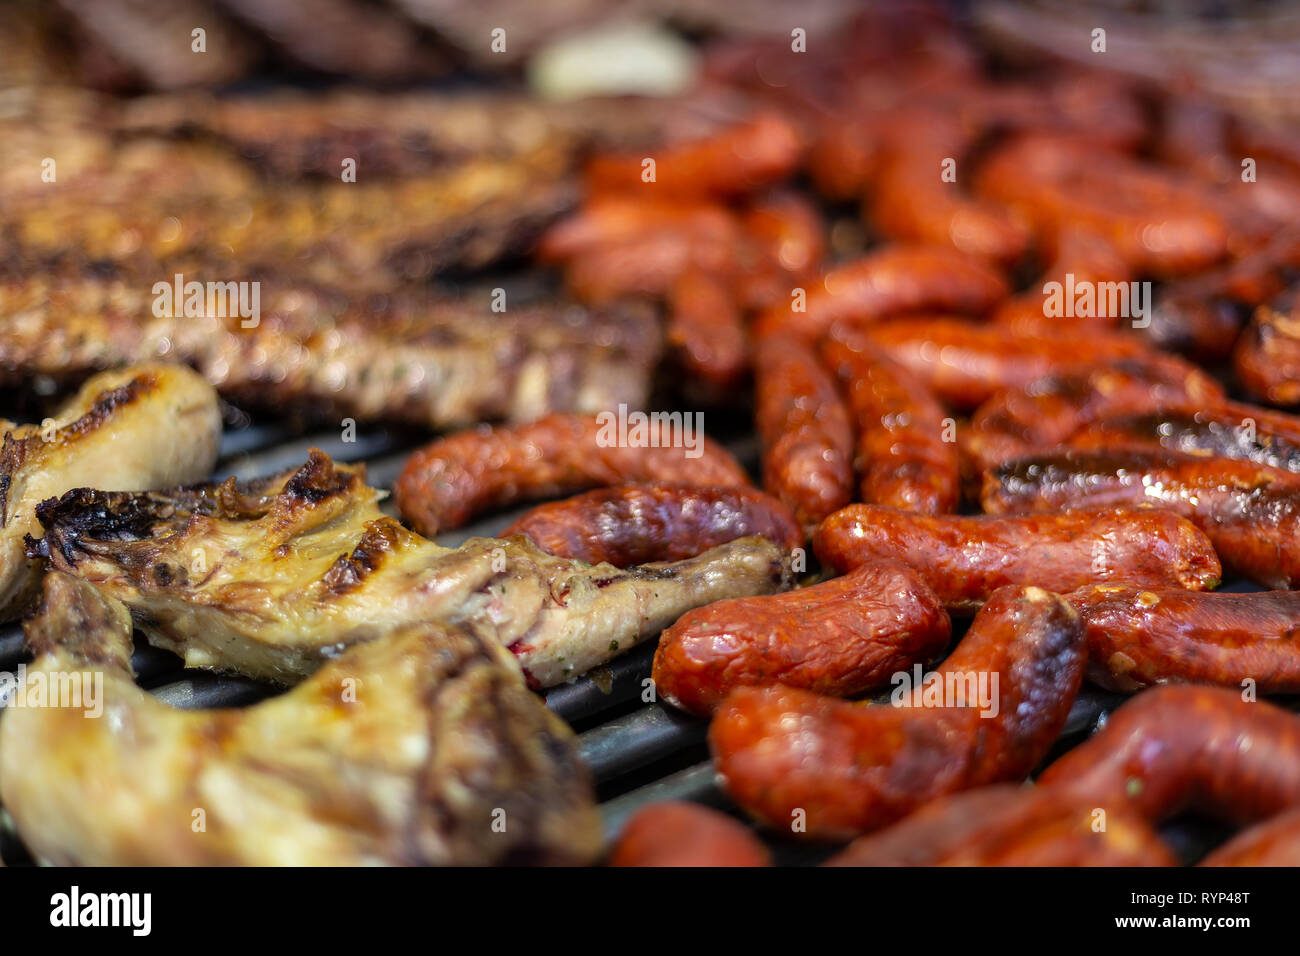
[[422, 748], [148, 426], [273, 577]]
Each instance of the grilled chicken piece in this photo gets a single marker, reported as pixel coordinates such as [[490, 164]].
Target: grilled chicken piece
[[145, 427], [271, 578], [439, 363], [422, 748]]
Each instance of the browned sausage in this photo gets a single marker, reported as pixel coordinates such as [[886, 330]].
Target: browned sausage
[[789, 236], [1250, 513], [1171, 749], [891, 280], [840, 637], [1274, 842], [965, 363], [1018, 421], [674, 833], [1141, 636], [1267, 357], [804, 429], [449, 481], [965, 559], [789, 756], [734, 161], [706, 330], [1241, 432], [629, 525], [1160, 222], [1080, 258], [609, 220], [1008, 825], [903, 459]]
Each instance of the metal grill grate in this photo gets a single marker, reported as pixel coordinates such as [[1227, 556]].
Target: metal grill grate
[[639, 753]]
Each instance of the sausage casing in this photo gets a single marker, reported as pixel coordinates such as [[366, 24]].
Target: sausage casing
[[627, 525], [840, 637], [903, 459], [675, 833], [965, 559]]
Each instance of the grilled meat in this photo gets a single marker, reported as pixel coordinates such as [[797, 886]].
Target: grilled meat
[[144, 427], [401, 751], [271, 578], [439, 363]]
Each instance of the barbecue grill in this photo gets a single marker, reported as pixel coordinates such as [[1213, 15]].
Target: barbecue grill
[[639, 752]]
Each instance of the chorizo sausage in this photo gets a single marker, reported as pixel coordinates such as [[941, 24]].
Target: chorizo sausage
[[446, 483], [1018, 421], [965, 363], [706, 330], [965, 559], [1141, 636], [1240, 432], [844, 768], [1009, 825], [628, 525], [736, 160], [675, 833], [1274, 842], [891, 280], [840, 637], [804, 429], [1175, 748], [789, 236], [1250, 513], [1266, 359], [903, 459]]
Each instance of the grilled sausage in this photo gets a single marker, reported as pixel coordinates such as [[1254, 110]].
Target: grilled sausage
[[965, 559], [1250, 513], [1018, 421], [789, 237], [902, 457], [1009, 825], [839, 769], [1274, 842], [706, 330], [892, 280], [840, 637], [675, 833], [1267, 357], [1141, 636], [1240, 432], [446, 483], [804, 430], [734, 161], [1171, 749], [965, 363], [629, 525]]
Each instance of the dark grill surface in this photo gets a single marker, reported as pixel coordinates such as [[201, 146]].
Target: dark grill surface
[[638, 752]]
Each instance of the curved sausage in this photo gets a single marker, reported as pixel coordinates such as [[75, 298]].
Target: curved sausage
[[965, 363], [627, 525], [789, 234], [1041, 415], [1267, 357], [675, 833], [804, 429], [965, 559], [902, 457], [1009, 825], [840, 637], [1143, 636], [1250, 513], [449, 481], [891, 280], [1274, 842], [1170, 749], [791, 756]]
